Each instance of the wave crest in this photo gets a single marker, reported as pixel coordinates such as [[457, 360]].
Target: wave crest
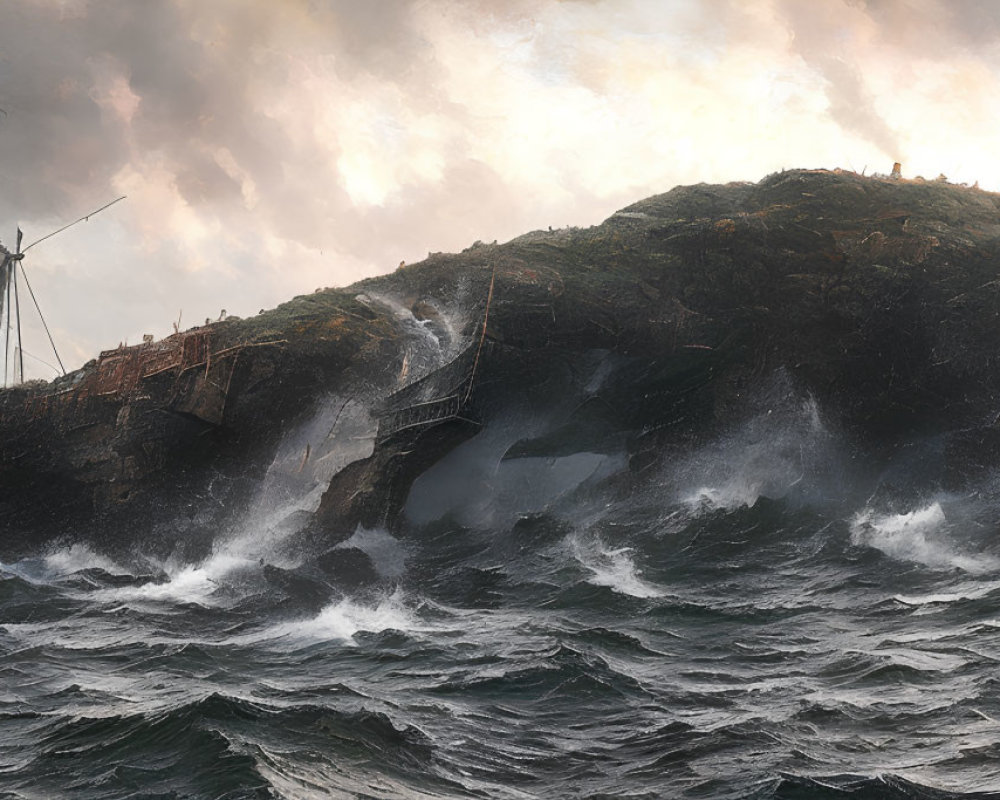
[[921, 536]]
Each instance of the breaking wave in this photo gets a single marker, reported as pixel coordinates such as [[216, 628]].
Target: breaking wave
[[613, 567], [922, 536], [545, 622]]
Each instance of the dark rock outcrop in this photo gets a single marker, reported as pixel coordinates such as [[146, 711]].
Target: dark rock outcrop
[[882, 297]]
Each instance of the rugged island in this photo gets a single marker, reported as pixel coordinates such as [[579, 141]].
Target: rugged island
[[880, 296]]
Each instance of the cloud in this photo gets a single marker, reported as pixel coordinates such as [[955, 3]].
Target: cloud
[[829, 37], [269, 148]]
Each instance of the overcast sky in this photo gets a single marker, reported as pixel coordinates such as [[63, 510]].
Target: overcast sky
[[270, 147]]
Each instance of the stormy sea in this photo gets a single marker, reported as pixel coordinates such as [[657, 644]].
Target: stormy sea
[[763, 614]]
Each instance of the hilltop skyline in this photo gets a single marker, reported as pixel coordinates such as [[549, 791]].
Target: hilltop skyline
[[270, 149]]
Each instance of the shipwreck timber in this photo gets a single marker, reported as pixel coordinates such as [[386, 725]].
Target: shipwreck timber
[[199, 378]]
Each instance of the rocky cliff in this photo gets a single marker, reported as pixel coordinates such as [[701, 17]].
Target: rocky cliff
[[879, 296]]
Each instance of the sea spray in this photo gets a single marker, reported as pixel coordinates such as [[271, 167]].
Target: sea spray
[[77, 557], [923, 536], [200, 584], [340, 431], [387, 553], [784, 449], [613, 567], [344, 619], [431, 342]]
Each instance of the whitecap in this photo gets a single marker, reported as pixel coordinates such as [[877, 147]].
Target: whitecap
[[923, 660], [920, 536], [729, 497], [346, 618], [784, 449], [612, 567], [77, 557], [966, 592], [193, 583]]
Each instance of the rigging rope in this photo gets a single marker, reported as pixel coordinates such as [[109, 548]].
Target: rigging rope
[[82, 219], [42, 317]]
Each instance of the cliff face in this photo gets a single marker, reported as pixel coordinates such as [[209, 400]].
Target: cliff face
[[881, 297]]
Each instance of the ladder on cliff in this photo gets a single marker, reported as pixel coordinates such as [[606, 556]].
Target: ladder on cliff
[[452, 405]]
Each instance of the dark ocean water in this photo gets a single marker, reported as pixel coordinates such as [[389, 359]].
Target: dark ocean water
[[762, 617]]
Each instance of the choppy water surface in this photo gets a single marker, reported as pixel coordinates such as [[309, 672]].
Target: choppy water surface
[[755, 620]]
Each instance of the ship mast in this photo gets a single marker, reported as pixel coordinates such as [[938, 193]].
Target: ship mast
[[10, 308]]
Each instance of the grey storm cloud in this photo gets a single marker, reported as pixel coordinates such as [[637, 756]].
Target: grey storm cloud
[[937, 28], [270, 147], [200, 93], [57, 144], [905, 30], [205, 89], [821, 37]]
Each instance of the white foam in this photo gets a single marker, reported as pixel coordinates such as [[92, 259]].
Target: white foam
[[346, 618], [964, 592], [612, 567], [339, 432], [68, 560], [737, 494], [67, 634], [60, 563], [920, 536], [767, 456], [193, 583], [924, 660], [431, 344]]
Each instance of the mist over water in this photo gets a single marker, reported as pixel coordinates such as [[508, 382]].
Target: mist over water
[[759, 616]]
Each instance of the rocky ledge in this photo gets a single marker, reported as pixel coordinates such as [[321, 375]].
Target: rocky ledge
[[881, 297]]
